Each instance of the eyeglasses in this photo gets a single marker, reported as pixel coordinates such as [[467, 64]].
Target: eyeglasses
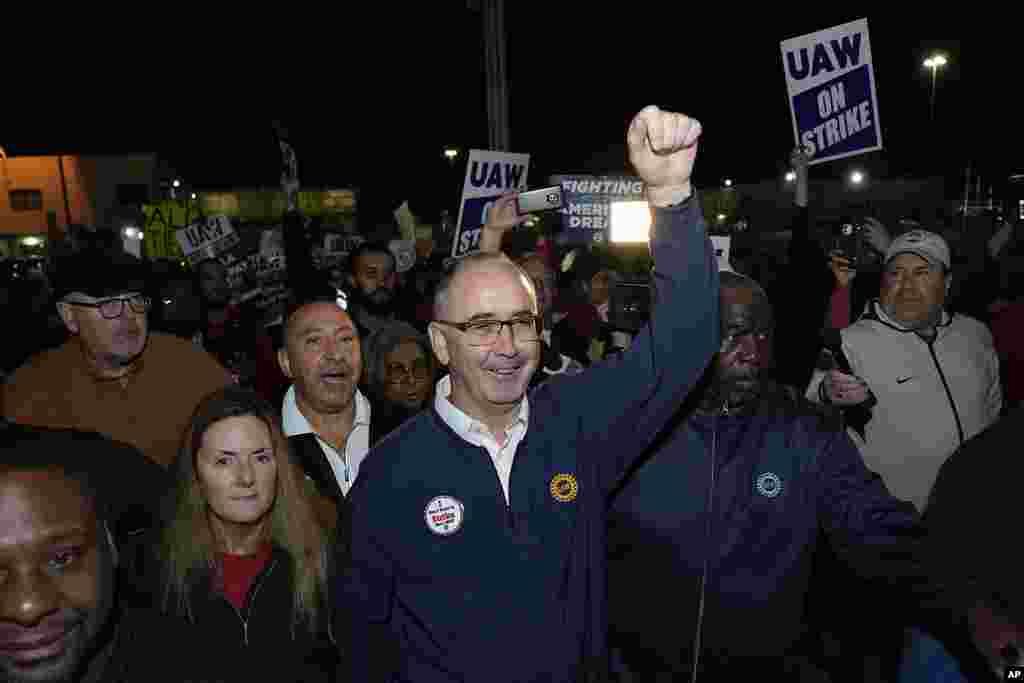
[[398, 373], [525, 328], [113, 308]]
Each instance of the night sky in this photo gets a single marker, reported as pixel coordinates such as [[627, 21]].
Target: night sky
[[371, 104]]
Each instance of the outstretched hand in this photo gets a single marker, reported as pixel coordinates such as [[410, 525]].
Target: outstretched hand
[[662, 149]]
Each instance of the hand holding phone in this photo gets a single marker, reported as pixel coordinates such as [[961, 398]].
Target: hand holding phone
[[542, 199]]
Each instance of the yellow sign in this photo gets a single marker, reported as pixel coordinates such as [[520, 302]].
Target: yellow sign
[[564, 488]]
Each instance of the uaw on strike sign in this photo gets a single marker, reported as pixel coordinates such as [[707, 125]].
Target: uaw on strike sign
[[488, 175], [832, 94]]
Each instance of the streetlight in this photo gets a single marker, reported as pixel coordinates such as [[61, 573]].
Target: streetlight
[[728, 182], [176, 184], [721, 217], [790, 176], [933, 63], [193, 195], [450, 153], [856, 177]]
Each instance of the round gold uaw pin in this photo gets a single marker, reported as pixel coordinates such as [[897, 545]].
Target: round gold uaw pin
[[564, 488]]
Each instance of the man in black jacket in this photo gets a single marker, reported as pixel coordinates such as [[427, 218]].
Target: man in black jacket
[[719, 525], [329, 422], [61, 618]]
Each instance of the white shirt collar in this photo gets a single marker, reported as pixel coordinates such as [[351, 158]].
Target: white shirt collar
[[464, 425], [294, 422]]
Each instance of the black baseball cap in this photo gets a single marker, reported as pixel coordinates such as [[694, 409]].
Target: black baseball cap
[[99, 273]]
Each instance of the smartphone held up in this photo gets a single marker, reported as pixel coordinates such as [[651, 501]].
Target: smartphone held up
[[541, 199]]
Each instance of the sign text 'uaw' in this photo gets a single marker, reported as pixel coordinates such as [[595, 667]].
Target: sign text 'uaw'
[[488, 175], [832, 96], [207, 238]]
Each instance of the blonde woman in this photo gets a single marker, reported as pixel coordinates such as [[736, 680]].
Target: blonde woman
[[242, 554]]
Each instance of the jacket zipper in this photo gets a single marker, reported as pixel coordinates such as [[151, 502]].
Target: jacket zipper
[[252, 601], [945, 385], [708, 528]]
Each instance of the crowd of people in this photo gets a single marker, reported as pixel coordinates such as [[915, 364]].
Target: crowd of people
[[467, 471]]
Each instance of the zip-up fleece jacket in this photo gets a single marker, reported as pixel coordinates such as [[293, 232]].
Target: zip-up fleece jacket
[[932, 395], [733, 507], [257, 642], [445, 581]]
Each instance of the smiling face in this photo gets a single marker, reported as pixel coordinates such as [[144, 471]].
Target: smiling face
[[487, 382], [322, 355], [237, 470], [56, 576]]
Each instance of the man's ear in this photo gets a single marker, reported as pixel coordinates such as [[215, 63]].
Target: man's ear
[[284, 362], [439, 343], [67, 314]]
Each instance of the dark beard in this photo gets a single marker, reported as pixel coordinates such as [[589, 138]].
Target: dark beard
[[735, 395], [372, 307]]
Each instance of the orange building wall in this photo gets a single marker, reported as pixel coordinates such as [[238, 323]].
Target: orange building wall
[[41, 173]]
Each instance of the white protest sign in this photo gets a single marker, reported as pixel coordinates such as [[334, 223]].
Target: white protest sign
[[721, 244], [488, 175], [206, 238], [832, 97]]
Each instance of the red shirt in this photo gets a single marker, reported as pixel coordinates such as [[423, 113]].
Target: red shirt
[[839, 308], [239, 571], [1008, 337]]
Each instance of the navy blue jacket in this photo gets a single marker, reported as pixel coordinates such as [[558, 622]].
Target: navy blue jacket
[[517, 593], [783, 478]]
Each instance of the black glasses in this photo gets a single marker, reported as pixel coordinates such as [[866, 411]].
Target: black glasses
[[396, 373], [525, 328], [113, 308]]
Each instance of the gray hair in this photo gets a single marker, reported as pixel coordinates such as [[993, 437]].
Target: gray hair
[[385, 340]]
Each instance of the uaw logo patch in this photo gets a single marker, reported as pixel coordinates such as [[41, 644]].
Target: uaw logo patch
[[769, 484], [444, 515], [564, 488]]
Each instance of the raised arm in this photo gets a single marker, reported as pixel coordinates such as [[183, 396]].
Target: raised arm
[[623, 403]]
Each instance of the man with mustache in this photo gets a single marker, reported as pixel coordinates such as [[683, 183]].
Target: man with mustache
[[113, 376], [711, 538], [372, 279], [475, 544], [326, 417], [934, 375], [62, 616]]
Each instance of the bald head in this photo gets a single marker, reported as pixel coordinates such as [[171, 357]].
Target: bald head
[[467, 269]]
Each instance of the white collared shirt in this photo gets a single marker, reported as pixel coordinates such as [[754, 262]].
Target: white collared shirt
[[478, 434], [357, 445]]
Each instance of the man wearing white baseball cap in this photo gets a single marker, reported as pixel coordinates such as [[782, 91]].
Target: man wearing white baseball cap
[[931, 376]]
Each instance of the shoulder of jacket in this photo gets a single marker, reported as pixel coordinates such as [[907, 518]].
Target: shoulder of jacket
[[971, 326]]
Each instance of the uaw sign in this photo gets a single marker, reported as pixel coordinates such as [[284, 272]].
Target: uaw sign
[[832, 95], [488, 175], [207, 238], [586, 204]]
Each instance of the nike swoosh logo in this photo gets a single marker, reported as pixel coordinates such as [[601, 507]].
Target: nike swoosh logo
[[904, 379]]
